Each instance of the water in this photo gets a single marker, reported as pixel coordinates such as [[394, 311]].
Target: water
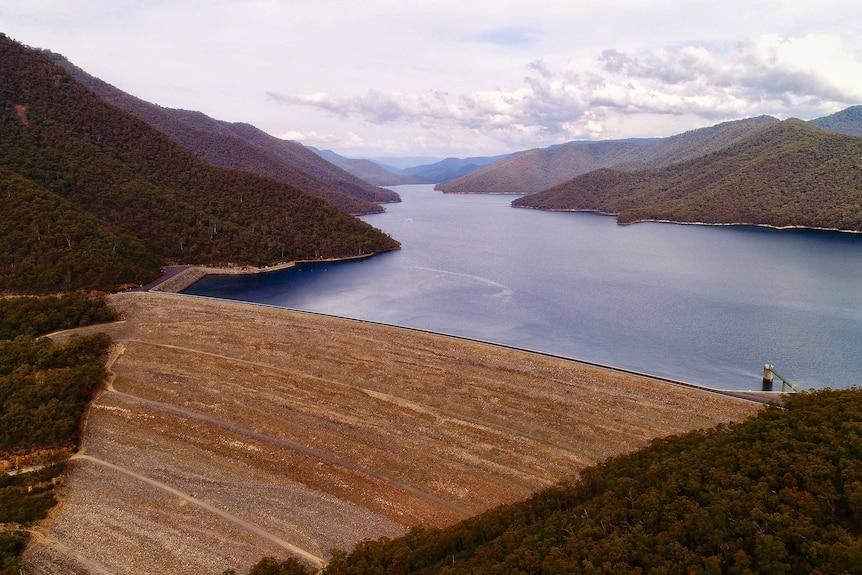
[[707, 305]]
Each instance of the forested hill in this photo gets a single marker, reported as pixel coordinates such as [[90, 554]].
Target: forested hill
[[245, 147], [95, 198], [847, 121], [536, 170], [539, 169], [779, 493], [786, 174]]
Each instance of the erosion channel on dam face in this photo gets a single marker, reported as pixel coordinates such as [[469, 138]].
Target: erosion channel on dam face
[[231, 431]]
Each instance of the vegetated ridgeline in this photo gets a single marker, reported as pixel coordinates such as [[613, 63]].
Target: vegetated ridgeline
[[540, 169], [242, 146], [847, 121], [786, 174], [95, 198]]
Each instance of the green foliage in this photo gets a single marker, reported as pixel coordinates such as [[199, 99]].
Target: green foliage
[[271, 566], [35, 316], [785, 174], [48, 244], [11, 546], [27, 497], [45, 388], [97, 198], [779, 493]]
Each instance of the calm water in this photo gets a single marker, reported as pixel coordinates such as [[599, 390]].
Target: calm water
[[707, 305]]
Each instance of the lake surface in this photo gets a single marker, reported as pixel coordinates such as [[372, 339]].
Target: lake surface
[[706, 305]]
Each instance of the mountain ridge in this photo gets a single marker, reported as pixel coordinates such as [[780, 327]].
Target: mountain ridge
[[847, 121], [539, 169], [379, 173], [97, 199], [787, 174], [242, 146]]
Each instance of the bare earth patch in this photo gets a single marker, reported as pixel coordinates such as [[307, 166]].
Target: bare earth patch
[[232, 431]]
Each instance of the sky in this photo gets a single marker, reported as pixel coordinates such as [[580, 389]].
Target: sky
[[382, 78]]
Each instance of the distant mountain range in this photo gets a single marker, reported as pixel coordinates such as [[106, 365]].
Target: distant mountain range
[[242, 146], [369, 171], [782, 174], [95, 198], [539, 169], [381, 174]]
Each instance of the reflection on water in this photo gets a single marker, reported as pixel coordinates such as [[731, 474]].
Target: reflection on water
[[708, 305]]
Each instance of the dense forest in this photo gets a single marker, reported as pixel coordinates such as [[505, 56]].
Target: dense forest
[[98, 199], [785, 174], [244, 147], [34, 316], [44, 390], [778, 493]]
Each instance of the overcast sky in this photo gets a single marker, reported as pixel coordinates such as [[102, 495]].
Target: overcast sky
[[462, 77]]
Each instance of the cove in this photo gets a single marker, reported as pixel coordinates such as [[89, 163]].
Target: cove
[[701, 304]]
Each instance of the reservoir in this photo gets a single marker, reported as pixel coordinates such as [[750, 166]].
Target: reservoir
[[702, 304]]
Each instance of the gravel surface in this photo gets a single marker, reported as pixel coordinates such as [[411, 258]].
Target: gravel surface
[[232, 431]]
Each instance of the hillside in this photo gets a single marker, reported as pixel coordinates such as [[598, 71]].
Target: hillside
[[244, 147], [537, 170], [49, 243], [44, 392], [786, 174], [366, 170], [298, 155], [778, 493], [848, 121], [376, 174], [99, 199], [451, 168]]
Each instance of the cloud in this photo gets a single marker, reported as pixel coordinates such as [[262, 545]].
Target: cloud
[[509, 36], [557, 101]]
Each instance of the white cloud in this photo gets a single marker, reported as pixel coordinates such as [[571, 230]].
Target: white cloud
[[509, 36], [766, 75], [475, 77]]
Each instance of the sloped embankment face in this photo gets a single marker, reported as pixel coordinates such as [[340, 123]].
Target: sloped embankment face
[[231, 431]]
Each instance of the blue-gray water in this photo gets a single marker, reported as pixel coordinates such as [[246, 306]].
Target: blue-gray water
[[707, 305]]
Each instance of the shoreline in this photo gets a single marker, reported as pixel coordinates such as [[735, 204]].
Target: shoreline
[[757, 396], [177, 278], [681, 223]]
